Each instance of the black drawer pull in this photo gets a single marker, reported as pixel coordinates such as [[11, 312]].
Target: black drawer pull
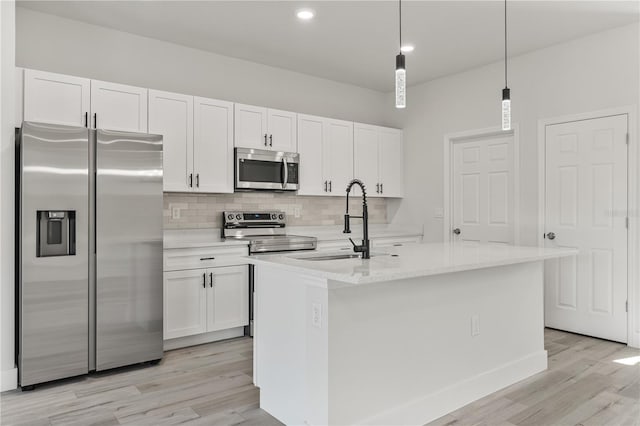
[[207, 258]]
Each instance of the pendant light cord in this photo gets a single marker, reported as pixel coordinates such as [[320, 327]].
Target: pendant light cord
[[505, 43], [400, 19]]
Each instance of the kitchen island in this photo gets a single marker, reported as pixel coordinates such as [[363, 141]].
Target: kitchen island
[[402, 338]]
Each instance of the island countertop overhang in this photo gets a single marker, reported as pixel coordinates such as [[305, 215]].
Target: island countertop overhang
[[409, 261]]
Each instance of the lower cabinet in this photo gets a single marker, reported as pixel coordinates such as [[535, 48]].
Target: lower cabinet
[[204, 300]]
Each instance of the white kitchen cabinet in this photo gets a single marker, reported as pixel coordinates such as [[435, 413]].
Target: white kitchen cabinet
[[56, 98], [227, 300], [378, 160], [198, 141], [264, 128], [185, 303], [171, 115], [326, 155], [204, 300], [118, 107], [213, 145]]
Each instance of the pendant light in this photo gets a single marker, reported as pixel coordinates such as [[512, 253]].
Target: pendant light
[[506, 92], [401, 72]]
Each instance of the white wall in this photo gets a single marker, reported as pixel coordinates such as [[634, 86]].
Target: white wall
[[588, 74], [8, 373], [51, 43]]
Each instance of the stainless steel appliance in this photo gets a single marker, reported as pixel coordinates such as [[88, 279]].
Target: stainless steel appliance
[[270, 170], [89, 250], [266, 233]]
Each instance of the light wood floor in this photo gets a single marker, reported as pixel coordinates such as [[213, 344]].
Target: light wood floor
[[211, 385]]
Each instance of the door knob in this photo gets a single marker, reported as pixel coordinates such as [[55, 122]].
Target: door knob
[[551, 236], [456, 231]]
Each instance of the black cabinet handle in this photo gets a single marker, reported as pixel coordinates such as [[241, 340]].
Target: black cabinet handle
[[265, 139], [198, 180], [86, 119], [329, 186], [207, 258], [211, 279], [377, 188], [270, 140], [381, 189], [95, 120], [326, 182], [190, 180], [204, 280]]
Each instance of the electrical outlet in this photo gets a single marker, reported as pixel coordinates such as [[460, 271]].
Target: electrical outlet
[[316, 315], [175, 212], [296, 211], [475, 325]]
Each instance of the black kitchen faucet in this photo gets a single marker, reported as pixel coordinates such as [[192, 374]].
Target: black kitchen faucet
[[364, 248]]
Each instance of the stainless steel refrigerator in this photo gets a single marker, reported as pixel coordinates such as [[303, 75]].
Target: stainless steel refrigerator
[[89, 250]]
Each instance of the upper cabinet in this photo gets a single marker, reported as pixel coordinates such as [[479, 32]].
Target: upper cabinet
[[198, 141], [378, 160], [264, 128], [118, 107], [326, 155], [56, 98]]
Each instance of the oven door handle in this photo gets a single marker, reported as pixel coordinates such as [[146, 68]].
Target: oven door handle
[[286, 173]]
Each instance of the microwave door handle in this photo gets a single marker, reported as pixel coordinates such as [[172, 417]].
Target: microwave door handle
[[286, 173]]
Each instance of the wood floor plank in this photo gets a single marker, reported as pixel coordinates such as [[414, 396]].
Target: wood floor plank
[[211, 385]]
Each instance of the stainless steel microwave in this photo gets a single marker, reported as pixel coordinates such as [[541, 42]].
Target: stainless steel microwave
[[271, 170]]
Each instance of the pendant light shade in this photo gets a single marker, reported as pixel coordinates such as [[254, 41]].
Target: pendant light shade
[[506, 92], [401, 71]]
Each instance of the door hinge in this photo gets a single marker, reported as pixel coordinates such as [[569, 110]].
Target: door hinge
[[627, 138], [626, 306], [626, 222]]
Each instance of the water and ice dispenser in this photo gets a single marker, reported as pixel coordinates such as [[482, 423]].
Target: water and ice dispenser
[[56, 233]]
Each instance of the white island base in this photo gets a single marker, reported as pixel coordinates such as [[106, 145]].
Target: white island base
[[398, 351]]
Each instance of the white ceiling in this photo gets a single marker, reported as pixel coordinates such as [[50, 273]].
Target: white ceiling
[[354, 41]]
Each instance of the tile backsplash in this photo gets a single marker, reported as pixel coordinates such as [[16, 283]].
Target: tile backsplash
[[205, 210]]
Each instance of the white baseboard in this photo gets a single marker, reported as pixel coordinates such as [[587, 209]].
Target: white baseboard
[[433, 406], [199, 339], [9, 380]]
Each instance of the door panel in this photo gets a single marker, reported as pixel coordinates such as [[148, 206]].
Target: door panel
[[483, 190], [185, 303], [586, 207], [119, 107], [55, 98], [365, 158], [228, 299], [128, 248], [311, 145], [213, 145], [250, 127], [171, 115], [391, 163], [282, 131], [338, 155]]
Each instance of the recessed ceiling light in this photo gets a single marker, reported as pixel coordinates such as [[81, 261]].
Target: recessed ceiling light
[[407, 48], [305, 14]]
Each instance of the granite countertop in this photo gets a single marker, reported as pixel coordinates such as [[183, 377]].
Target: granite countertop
[[409, 261]]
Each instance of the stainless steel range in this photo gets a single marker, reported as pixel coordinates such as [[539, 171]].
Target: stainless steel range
[[266, 233]]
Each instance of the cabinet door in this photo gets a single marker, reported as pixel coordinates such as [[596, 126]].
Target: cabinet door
[[310, 146], [338, 153], [228, 299], [213, 145], [56, 98], [118, 107], [250, 127], [19, 97], [171, 115], [365, 158], [282, 131], [185, 303], [391, 163]]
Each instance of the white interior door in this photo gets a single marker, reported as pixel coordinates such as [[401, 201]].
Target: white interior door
[[483, 190], [586, 208]]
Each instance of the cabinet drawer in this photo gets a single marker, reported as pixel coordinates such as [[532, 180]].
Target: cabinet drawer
[[204, 257]]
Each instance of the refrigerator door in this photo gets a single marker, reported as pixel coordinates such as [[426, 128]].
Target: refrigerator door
[[128, 248], [53, 252]]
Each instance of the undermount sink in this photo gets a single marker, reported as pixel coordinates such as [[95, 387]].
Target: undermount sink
[[333, 256]]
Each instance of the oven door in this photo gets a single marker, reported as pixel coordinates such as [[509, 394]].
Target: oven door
[[259, 169]]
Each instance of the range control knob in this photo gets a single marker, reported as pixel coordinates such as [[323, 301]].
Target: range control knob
[[274, 216], [238, 217], [281, 216], [230, 217]]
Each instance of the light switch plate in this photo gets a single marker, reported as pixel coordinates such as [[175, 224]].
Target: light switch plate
[[438, 213], [316, 315]]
